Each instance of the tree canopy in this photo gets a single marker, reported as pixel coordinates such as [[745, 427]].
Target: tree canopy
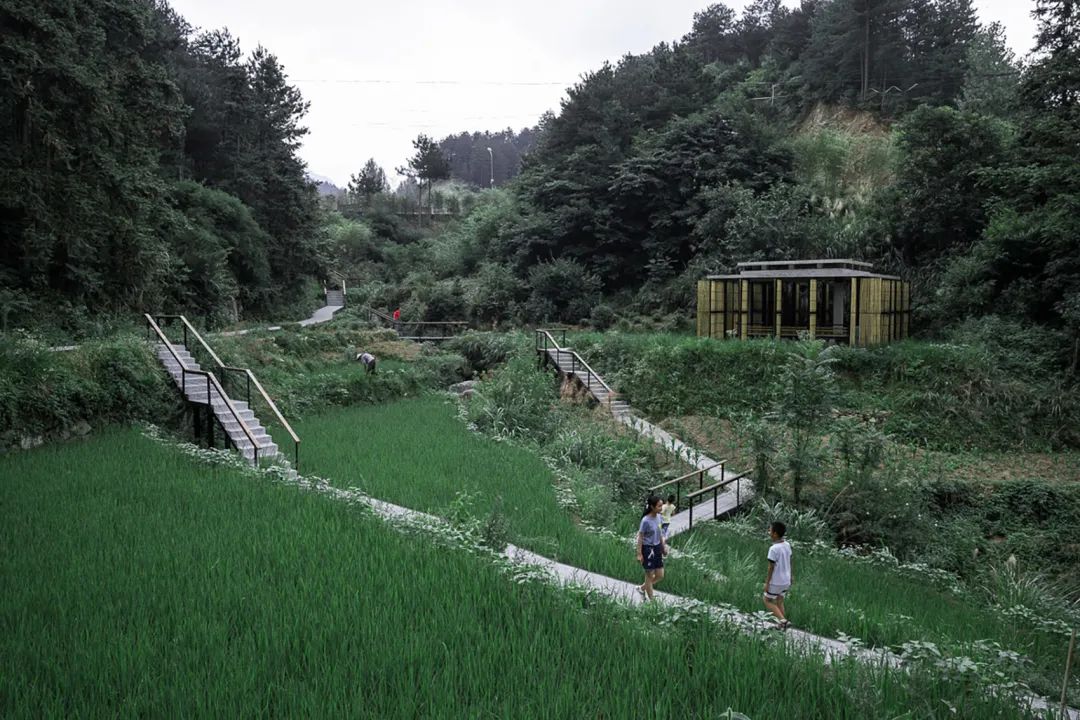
[[110, 151]]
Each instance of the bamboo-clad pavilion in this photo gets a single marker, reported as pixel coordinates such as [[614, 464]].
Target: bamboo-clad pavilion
[[838, 300]]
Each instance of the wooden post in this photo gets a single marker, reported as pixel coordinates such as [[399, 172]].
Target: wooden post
[[854, 301], [1068, 668], [778, 297], [744, 287], [716, 308], [907, 309], [704, 308], [813, 308]]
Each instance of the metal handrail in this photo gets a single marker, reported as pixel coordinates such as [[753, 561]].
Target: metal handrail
[[252, 380], [380, 315], [576, 358], [210, 379], [700, 472], [715, 490], [434, 322]]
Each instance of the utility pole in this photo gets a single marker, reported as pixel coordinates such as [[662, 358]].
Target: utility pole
[[866, 50], [491, 156]]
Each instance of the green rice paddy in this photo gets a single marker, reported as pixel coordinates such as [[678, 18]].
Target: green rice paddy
[[140, 583]]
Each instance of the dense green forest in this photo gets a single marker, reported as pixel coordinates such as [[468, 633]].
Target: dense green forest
[[146, 166], [149, 166]]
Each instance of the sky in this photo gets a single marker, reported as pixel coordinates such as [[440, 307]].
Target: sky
[[377, 73]]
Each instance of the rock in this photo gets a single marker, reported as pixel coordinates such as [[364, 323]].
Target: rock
[[464, 389], [29, 443], [81, 428]]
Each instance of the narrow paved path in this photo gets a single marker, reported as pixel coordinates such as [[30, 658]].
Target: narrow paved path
[[323, 314], [626, 592]]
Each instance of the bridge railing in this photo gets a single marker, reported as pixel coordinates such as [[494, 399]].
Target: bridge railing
[[678, 482], [715, 489]]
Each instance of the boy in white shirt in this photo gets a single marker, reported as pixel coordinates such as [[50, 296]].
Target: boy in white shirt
[[779, 577]]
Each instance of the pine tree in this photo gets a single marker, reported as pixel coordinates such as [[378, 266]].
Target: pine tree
[[370, 181], [427, 165]]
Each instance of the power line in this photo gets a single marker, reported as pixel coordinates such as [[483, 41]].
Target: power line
[[497, 83]]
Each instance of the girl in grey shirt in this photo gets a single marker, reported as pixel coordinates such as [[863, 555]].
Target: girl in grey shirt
[[651, 546]]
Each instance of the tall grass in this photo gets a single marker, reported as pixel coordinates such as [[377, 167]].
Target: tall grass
[[137, 583], [834, 595], [417, 453]]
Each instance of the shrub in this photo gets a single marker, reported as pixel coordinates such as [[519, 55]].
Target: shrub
[[495, 293], [484, 351], [562, 290], [517, 402], [45, 393]]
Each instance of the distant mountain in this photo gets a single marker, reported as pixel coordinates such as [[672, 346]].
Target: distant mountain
[[325, 185]]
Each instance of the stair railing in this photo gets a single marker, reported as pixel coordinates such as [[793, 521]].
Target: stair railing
[[211, 381], [249, 380], [545, 342]]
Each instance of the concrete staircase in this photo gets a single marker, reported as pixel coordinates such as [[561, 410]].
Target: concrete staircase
[[197, 392], [569, 363], [335, 298]]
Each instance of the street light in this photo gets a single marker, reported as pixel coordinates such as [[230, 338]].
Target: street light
[[491, 155]]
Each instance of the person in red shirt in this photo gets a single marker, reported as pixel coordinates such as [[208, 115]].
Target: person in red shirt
[[397, 319]]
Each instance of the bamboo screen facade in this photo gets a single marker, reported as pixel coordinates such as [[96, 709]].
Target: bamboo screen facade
[[838, 300]]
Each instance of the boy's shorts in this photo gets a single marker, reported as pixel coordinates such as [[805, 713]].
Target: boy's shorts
[[652, 557], [777, 591]]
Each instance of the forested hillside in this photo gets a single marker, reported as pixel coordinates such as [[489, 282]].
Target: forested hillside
[[150, 166], [146, 166], [901, 132]]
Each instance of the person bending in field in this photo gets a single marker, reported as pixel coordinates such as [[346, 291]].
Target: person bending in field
[[369, 361], [651, 547], [666, 513], [779, 577]]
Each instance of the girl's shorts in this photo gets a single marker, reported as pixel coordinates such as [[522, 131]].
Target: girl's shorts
[[652, 557]]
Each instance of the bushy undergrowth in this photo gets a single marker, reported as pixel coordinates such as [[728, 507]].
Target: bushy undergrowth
[[46, 393], [608, 472], [485, 351], [980, 391]]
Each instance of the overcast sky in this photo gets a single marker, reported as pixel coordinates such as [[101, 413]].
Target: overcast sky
[[377, 73]]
